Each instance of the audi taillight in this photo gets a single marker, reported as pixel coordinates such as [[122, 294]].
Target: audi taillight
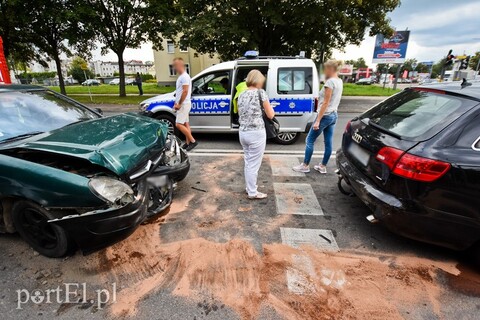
[[347, 127], [412, 167]]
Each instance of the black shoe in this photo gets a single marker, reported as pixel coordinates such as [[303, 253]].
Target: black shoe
[[184, 146], [191, 146]]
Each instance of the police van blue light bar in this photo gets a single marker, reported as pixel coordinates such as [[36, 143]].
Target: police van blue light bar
[[251, 54]]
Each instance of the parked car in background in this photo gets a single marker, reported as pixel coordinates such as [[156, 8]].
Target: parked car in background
[[115, 82], [71, 178], [414, 160], [91, 82], [365, 81], [130, 82]]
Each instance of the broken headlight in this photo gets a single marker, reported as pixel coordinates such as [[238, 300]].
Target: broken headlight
[[111, 190], [172, 154]]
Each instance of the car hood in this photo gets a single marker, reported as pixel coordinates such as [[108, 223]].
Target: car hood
[[119, 143]]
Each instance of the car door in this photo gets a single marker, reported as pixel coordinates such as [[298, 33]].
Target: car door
[[211, 102]]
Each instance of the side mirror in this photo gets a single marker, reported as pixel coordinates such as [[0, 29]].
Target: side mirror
[[210, 90], [98, 110]]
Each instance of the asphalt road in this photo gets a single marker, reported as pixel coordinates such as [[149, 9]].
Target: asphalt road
[[306, 252]]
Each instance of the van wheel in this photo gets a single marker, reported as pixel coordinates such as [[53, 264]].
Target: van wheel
[[31, 222], [169, 120], [286, 138]]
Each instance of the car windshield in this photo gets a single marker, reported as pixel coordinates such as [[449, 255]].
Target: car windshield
[[29, 112], [417, 115]]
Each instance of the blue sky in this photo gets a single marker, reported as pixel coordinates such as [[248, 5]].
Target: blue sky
[[436, 26]]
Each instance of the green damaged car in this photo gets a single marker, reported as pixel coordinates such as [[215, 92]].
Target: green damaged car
[[71, 178]]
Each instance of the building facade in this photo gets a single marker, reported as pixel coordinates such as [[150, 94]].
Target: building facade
[[110, 68], [194, 62]]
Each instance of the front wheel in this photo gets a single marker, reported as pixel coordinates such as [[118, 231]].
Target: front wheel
[[31, 222], [169, 121], [287, 138]]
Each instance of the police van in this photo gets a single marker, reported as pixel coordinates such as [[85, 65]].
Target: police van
[[292, 86]]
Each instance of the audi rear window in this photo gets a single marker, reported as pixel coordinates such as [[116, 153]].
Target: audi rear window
[[418, 115]]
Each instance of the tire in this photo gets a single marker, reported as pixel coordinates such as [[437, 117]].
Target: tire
[[287, 138], [169, 120], [31, 222]]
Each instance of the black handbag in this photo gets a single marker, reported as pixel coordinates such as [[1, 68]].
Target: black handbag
[[272, 126]]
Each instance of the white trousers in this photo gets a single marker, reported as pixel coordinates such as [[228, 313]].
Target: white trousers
[[253, 143]]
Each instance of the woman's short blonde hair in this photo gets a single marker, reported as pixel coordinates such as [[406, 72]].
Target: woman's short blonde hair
[[332, 63], [254, 78]]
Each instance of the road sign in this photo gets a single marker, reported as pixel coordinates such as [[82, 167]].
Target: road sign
[[391, 50], [4, 73]]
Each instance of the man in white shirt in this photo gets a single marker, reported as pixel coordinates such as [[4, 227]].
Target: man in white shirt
[[183, 103]]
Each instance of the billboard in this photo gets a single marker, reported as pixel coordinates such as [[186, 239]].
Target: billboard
[[346, 70], [4, 73], [391, 50]]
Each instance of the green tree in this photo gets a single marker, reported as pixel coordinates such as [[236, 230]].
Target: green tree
[[359, 63], [16, 42], [231, 27], [54, 28], [474, 60], [437, 68], [122, 24], [79, 68]]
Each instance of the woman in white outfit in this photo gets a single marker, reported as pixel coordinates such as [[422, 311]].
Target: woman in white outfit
[[252, 129]]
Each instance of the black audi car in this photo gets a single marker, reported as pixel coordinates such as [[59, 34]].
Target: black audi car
[[414, 160]]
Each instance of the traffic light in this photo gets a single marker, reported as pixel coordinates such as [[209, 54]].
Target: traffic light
[[464, 63], [450, 58]]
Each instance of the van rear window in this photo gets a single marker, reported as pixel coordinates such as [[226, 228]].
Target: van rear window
[[417, 115]]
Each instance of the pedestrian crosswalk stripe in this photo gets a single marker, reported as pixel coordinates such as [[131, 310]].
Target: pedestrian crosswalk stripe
[[282, 166], [319, 238], [297, 199]]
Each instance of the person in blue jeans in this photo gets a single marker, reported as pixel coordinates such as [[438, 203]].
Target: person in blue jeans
[[329, 100]]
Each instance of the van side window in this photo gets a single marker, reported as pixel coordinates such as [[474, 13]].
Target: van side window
[[213, 84], [294, 81]]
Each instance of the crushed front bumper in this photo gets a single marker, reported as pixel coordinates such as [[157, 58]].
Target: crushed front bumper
[[98, 229]]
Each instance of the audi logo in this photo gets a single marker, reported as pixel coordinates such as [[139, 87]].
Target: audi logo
[[357, 138]]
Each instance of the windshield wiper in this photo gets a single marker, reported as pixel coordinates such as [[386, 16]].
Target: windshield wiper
[[369, 122], [22, 136]]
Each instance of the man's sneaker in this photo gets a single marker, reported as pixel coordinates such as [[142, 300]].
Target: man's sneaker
[[320, 168], [191, 146], [258, 196], [301, 168]]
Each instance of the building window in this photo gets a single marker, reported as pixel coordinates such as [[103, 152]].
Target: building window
[[170, 46], [183, 48], [172, 70]]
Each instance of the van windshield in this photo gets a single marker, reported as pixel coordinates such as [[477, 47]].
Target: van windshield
[[417, 115]]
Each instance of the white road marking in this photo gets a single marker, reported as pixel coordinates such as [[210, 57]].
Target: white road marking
[[300, 152], [241, 154], [296, 198], [301, 276], [282, 166], [318, 238]]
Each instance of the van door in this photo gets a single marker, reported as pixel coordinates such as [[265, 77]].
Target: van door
[[241, 71], [211, 102]]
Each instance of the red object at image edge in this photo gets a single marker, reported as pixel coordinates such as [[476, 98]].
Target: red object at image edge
[[4, 73]]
